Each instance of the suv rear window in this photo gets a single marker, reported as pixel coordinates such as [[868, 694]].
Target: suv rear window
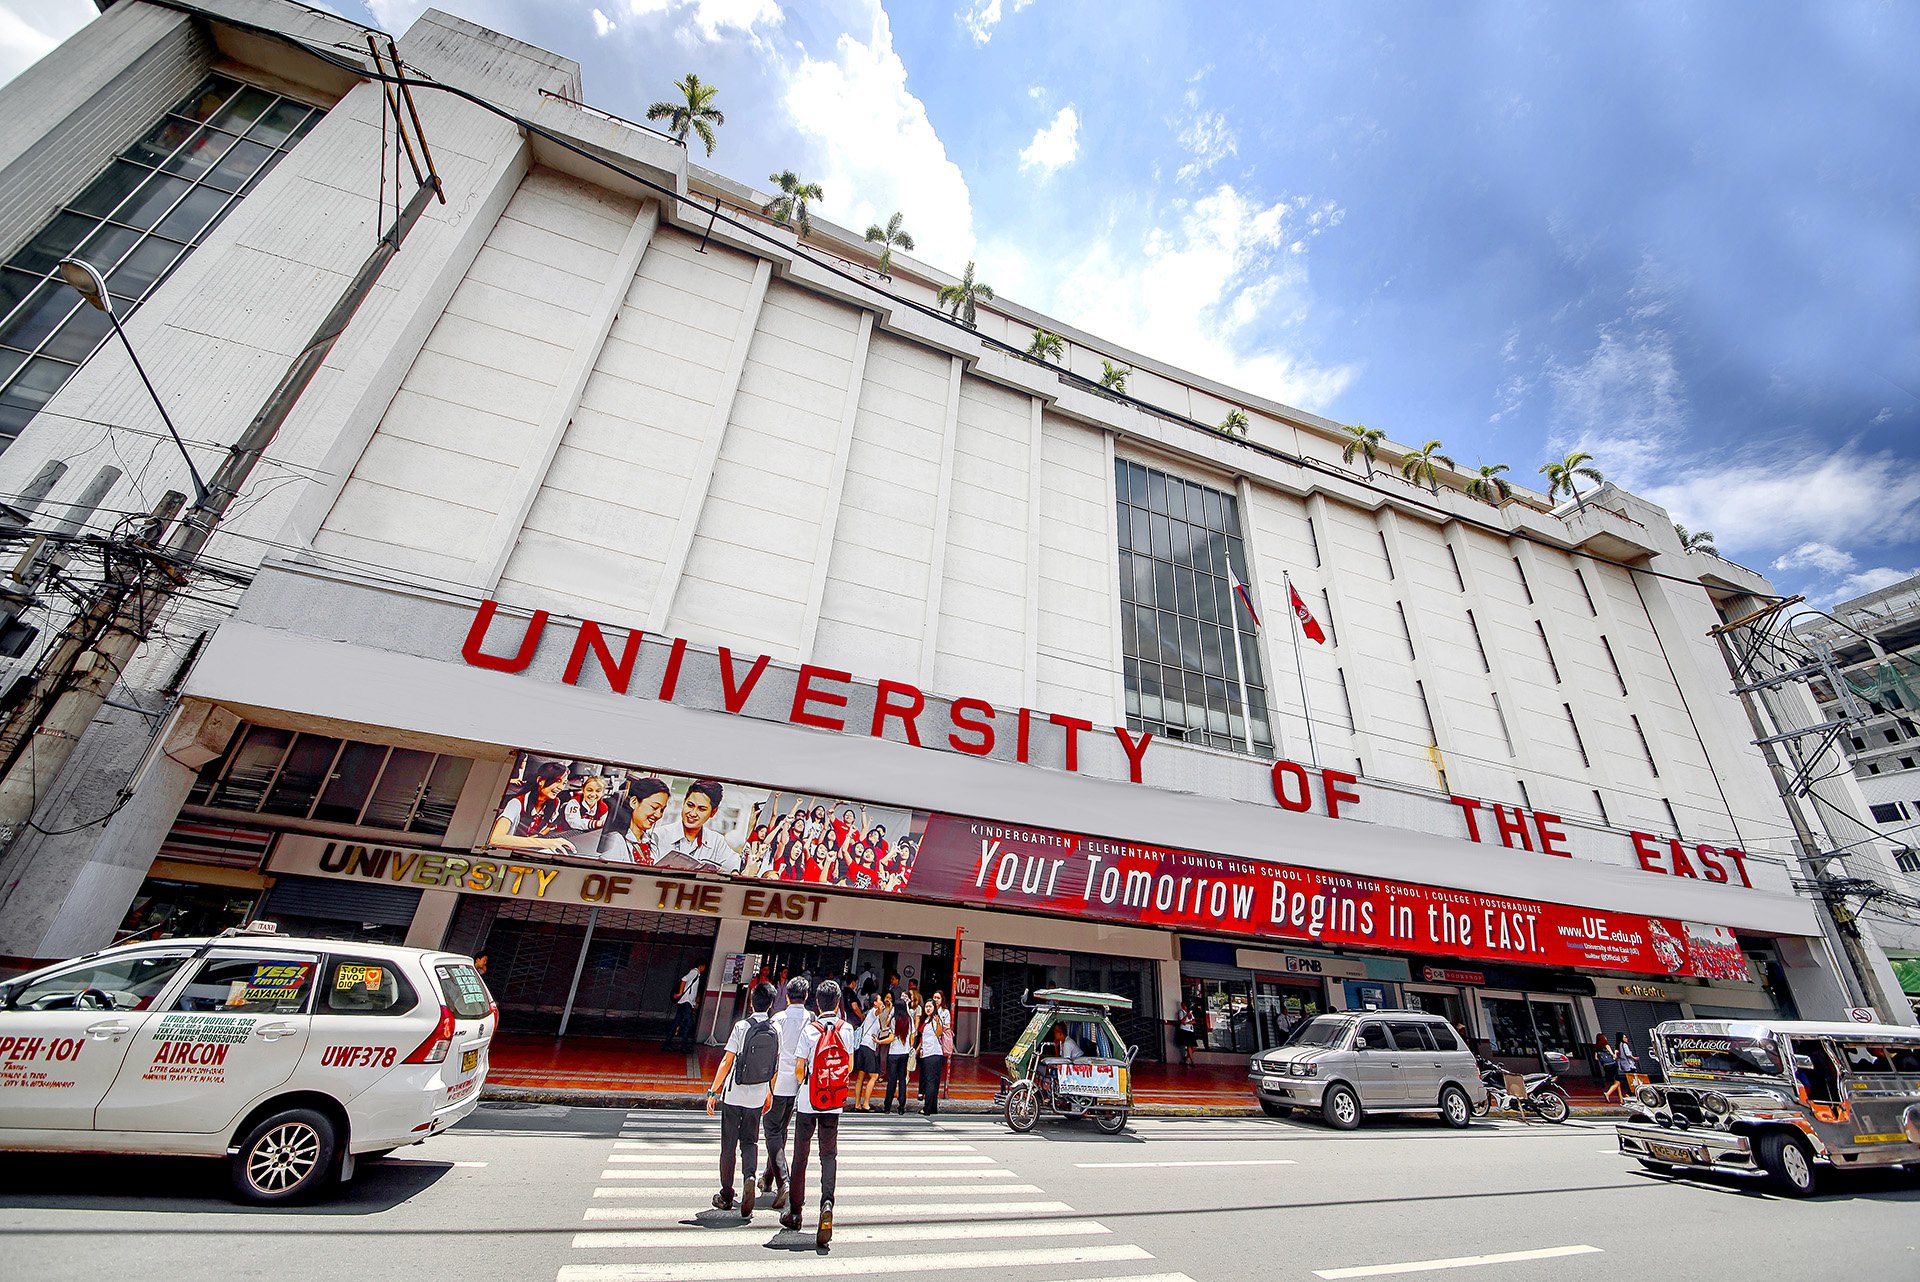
[[465, 992], [365, 986]]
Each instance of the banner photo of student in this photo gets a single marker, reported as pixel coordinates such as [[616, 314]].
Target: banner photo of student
[[572, 810]]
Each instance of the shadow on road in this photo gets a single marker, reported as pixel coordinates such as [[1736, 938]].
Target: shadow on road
[[91, 1182]]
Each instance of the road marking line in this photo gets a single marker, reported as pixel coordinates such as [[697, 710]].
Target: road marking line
[[848, 1266], [1255, 1161], [1458, 1262], [684, 1173], [675, 1236], [918, 1211], [697, 1194]]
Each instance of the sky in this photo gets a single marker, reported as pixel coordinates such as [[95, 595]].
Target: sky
[[1679, 236]]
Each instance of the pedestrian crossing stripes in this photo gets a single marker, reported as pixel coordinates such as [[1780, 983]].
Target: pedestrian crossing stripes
[[833, 1266]]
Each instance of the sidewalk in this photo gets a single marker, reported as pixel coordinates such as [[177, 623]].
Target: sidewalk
[[621, 1073]]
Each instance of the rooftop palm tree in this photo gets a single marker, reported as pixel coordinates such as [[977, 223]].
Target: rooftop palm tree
[[891, 237], [962, 297], [1561, 476], [1113, 377], [1418, 467], [789, 208], [695, 113], [1047, 346], [1695, 540], [1234, 423], [1489, 486], [1365, 442]]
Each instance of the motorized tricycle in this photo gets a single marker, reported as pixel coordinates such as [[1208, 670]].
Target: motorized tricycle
[[1069, 1061]]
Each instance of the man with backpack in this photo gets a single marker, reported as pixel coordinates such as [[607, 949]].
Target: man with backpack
[[741, 1085], [823, 1066], [790, 1023]]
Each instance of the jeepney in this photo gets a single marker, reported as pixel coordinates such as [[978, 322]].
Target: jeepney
[[1070, 1061], [1778, 1098]]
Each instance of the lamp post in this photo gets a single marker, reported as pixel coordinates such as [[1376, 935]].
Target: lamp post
[[92, 286]]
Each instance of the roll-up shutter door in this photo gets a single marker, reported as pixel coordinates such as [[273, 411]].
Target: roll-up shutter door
[[1636, 1019], [341, 900]]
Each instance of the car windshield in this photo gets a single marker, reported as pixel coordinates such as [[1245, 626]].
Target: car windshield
[[1322, 1030], [1702, 1056]]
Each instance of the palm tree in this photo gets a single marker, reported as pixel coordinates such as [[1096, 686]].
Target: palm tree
[[1562, 475], [1695, 540], [1418, 466], [892, 236], [1365, 442], [789, 208], [1047, 346], [1114, 377], [696, 113], [1489, 486], [963, 296], [1235, 421]]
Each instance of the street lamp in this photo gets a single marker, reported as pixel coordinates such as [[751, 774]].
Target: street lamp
[[92, 286]]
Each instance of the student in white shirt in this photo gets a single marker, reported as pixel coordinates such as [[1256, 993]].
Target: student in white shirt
[[791, 1021], [741, 1104], [824, 1122]]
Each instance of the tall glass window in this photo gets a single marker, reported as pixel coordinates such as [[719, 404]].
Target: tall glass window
[[1192, 665], [135, 222]]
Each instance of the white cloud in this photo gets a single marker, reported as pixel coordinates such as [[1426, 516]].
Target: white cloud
[[981, 16], [874, 149], [26, 37], [1214, 293], [602, 24], [1824, 557], [1208, 139], [1054, 146]]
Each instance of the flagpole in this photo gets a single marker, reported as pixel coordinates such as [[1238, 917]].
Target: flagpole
[[1299, 669]]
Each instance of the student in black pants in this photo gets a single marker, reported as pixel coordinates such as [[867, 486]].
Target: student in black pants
[[898, 1052]]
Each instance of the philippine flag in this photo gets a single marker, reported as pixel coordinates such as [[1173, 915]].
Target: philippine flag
[[1308, 624]]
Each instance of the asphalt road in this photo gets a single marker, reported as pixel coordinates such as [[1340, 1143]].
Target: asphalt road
[[601, 1195]]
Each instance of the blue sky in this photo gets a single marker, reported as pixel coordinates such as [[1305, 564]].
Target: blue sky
[[1681, 236]]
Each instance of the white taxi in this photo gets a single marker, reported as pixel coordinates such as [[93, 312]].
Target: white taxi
[[290, 1057]]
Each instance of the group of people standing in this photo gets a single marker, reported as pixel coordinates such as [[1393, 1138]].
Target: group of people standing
[[802, 1067]]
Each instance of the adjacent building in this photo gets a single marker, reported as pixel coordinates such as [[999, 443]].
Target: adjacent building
[[612, 491]]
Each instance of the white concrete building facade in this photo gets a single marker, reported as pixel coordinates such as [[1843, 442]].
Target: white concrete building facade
[[596, 477]]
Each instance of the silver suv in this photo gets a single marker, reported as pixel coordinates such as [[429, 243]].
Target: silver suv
[[1352, 1063]]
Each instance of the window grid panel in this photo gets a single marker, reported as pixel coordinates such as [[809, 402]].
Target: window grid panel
[[1191, 660], [135, 222]]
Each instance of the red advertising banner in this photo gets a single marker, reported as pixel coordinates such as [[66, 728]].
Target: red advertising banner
[[579, 811]]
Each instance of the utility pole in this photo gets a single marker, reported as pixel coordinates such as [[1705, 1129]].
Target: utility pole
[[82, 669], [1764, 663]]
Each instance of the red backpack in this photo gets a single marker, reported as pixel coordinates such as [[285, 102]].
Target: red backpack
[[827, 1075]]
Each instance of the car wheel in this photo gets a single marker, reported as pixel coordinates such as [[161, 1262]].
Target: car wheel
[[1275, 1110], [1111, 1123], [1341, 1107], [1022, 1107], [1456, 1110], [1788, 1163], [284, 1157]]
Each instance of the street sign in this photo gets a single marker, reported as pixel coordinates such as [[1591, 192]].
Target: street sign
[[1863, 1014]]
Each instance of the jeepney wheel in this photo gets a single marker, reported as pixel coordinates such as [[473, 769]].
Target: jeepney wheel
[[1341, 1107], [1022, 1108], [1456, 1110], [1788, 1163], [1275, 1110], [1111, 1123]]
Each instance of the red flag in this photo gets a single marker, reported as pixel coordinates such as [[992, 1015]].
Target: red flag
[[1308, 624], [1240, 590]]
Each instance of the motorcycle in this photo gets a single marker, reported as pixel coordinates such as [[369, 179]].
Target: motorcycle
[[1545, 1098]]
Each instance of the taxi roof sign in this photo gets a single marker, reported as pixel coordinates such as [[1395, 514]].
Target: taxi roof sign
[[1077, 997]]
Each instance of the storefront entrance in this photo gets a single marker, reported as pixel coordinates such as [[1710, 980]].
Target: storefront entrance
[[557, 968], [1012, 973]]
